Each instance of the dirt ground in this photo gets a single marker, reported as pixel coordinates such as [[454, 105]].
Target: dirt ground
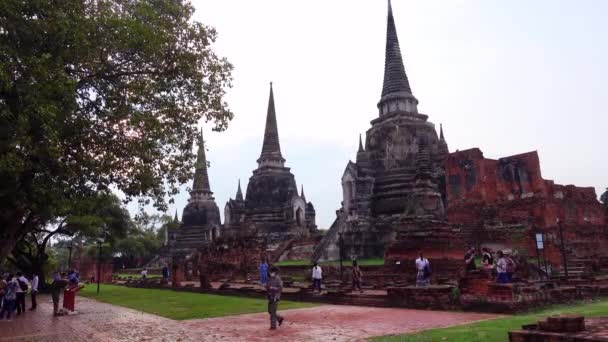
[[105, 322]]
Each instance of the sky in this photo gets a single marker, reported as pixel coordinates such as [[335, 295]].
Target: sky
[[505, 76]]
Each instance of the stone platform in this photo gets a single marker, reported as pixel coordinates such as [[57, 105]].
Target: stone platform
[[566, 329]]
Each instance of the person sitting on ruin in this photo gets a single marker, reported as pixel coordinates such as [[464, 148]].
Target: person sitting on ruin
[[469, 260], [501, 268], [357, 276], [317, 275], [274, 288], [423, 268], [144, 274], [264, 272], [487, 259]]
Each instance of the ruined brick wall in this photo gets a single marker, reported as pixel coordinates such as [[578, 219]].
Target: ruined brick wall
[[505, 202]]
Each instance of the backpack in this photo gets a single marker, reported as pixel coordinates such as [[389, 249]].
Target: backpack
[[22, 285], [427, 269], [510, 265]]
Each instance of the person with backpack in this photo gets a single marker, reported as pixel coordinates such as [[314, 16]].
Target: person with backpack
[[10, 297], [423, 268], [274, 288], [24, 285], [511, 267]]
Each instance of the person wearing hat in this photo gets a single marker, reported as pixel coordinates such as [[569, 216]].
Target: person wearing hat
[[274, 288]]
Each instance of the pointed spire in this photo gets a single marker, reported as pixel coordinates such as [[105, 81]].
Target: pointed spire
[[396, 92], [175, 219], [395, 79], [201, 178], [239, 193], [271, 148], [360, 144], [443, 145], [302, 193], [441, 132]]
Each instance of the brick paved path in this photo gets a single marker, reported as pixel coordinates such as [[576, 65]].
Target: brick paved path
[[104, 322]]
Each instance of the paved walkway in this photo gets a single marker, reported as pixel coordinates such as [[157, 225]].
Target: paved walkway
[[104, 322]]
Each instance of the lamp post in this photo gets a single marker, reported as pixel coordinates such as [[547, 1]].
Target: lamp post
[[563, 247], [99, 242], [70, 246]]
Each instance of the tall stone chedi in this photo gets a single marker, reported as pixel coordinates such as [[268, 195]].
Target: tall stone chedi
[[201, 217], [398, 175], [272, 209]]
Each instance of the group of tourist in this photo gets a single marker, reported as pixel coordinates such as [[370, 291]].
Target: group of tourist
[[502, 269], [13, 291]]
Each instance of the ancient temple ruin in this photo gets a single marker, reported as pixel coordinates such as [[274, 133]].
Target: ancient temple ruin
[[272, 209], [201, 223], [398, 174]]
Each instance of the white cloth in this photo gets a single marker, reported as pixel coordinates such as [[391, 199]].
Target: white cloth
[[144, 273], [421, 263], [501, 265], [22, 279], [35, 284], [317, 272]]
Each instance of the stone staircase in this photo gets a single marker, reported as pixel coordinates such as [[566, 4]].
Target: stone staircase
[[191, 237], [577, 268]]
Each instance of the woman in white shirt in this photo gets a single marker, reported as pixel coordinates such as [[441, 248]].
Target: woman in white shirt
[[317, 275]]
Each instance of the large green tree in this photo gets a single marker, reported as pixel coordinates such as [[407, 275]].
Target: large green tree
[[83, 222], [98, 94]]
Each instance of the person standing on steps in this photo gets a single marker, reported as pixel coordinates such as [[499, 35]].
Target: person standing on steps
[[264, 272], [317, 275], [357, 276], [423, 268], [274, 288]]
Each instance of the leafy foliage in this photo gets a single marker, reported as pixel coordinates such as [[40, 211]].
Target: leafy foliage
[[97, 94]]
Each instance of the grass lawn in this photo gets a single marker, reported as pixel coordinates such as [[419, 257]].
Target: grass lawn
[[497, 329], [181, 305], [362, 262]]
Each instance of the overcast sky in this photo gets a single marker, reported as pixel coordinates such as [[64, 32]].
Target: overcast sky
[[505, 76]]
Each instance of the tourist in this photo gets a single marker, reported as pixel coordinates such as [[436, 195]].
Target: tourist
[[10, 297], [59, 283], [73, 277], [24, 285], [501, 268], [274, 288], [511, 266], [317, 275], [34, 291], [423, 268], [165, 272], [469, 260], [264, 272], [3, 285], [357, 276], [487, 259], [144, 274]]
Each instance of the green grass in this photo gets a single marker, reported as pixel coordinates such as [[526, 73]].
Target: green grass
[[362, 262], [496, 330], [181, 305]]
